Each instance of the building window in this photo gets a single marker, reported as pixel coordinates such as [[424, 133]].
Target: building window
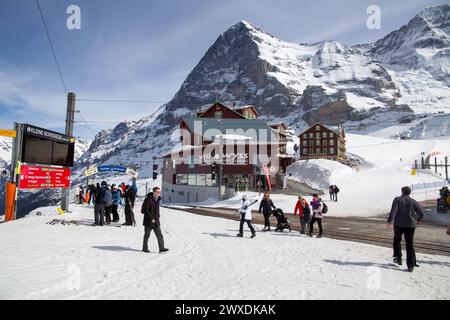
[[317, 150], [325, 151], [325, 142], [305, 143], [305, 151], [317, 142], [317, 128], [181, 193], [331, 150], [331, 135], [311, 135], [218, 114], [209, 181], [331, 142], [318, 135], [324, 135], [305, 136], [182, 179], [192, 179]]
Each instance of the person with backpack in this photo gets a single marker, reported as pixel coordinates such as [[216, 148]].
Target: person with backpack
[[99, 209], [107, 202], [150, 210], [129, 205], [335, 192], [246, 216], [116, 199], [266, 206], [317, 206], [91, 194], [406, 213]]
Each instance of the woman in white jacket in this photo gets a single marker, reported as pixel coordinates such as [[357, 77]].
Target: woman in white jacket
[[246, 216]]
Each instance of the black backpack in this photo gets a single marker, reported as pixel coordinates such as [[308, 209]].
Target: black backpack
[[324, 208]]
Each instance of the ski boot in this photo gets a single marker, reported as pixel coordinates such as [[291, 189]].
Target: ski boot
[[253, 235], [240, 235]]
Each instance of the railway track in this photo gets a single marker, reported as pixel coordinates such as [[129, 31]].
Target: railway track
[[332, 226]]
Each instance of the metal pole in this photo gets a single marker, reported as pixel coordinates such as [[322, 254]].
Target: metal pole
[[446, 168], [16, 155], [69, 131], [435, 164]]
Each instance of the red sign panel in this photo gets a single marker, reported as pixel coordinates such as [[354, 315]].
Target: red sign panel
[[44, 177]]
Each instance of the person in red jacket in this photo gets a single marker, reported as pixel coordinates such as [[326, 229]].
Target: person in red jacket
[[299, 206]]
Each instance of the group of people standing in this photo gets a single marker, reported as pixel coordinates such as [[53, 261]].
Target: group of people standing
[[333, 190], [108, 198]]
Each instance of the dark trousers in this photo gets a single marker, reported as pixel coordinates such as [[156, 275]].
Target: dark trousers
[[304, 221], [108, 214], [331, 196], [409, 239], [266, 220], [158, 234], [115, 214], [335, 196], [99, 214], [311, 224], [249, 223], [129, 216]]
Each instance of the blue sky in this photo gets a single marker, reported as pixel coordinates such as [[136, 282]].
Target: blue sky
[[143, 50]]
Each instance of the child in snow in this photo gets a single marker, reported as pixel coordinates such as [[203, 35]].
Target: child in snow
[[246, 216], [316, 205]]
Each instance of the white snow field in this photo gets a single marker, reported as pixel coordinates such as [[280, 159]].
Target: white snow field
[[205, 261]]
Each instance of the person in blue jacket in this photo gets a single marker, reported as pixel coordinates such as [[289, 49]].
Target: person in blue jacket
[[116, 199]]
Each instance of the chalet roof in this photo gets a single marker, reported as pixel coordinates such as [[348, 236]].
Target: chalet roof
[[256, 129], [334, 129], [200, 113]]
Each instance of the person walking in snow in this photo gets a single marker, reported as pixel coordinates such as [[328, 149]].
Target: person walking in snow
[[150, 209], [304, 211], [266, 206], [406, 214], [246, 216], [316, 205], [107, 202], [116, 199]]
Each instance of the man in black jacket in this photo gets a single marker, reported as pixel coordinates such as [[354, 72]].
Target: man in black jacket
[[406, 213], [150, 209]]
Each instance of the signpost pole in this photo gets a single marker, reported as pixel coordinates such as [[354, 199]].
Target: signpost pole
[[15, 156], [69, 131]]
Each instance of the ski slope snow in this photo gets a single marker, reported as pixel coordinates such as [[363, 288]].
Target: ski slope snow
[[205, 261]]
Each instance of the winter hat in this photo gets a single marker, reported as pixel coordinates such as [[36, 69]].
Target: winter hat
[[244, 197], [104, 183]]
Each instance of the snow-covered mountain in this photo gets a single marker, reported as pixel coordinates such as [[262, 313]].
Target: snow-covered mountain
[[362, 86], [417, 58], [5, 151]]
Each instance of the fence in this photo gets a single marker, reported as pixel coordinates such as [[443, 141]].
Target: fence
[[432, 187]]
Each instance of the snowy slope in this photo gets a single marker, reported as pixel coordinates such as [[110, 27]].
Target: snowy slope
[[205, 261], [5, 151]]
